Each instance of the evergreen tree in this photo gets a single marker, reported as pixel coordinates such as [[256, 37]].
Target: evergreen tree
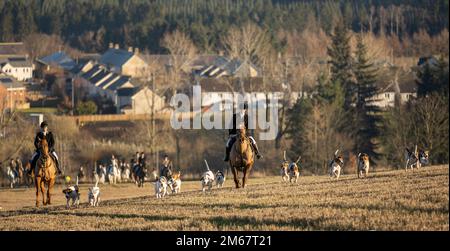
[[297, 118], [367, 115], [6, 24], [341, 63], [433, 79]]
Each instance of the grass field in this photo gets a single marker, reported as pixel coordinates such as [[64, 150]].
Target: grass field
[[391, 200]]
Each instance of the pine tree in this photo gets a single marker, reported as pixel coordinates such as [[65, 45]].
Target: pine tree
[[433, 78], [6, 24], [341, 63], [297, 131], [367, 115]]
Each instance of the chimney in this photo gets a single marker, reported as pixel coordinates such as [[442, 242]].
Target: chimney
[[136, 51], [116, 46], [130, 49], [111, 45]]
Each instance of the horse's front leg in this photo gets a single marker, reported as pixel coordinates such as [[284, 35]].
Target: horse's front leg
[[49, 191], [37, 185], [246, 172], [42, 186], [235, 176]]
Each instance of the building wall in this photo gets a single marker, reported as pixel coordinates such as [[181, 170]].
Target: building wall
[[134, 67], [387, 99], [123, 100], [19, 73], [2, 98], [16, 98], [141, 102]]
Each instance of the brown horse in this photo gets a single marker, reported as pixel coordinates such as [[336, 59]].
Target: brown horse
[[45, 173], [241, 157]]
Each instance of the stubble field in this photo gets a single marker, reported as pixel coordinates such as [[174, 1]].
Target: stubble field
[[391, 200]]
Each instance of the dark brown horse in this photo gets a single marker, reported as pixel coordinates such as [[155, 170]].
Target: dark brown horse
[[45, 173], [241, 157]]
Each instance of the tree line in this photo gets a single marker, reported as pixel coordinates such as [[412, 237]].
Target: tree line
[[92, 25]]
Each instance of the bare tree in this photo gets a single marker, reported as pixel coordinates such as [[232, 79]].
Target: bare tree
[[248, 42], [430, 122], [182, 52]]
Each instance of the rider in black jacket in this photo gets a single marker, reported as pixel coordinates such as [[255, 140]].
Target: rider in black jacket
[[44, 133], [233, 134]]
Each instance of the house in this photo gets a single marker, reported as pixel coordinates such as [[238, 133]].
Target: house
[[124, 62], [12, 94], [220, 91], [138, 100], [58, 59], [395, 83], [18, 67]]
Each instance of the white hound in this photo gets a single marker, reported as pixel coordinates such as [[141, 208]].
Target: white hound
[[161, 187], [207, 179], [363, 165], [94, 195], [335, 165], [220, 179], [284, 168]]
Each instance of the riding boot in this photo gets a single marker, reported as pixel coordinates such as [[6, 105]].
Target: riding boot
[[258, 155], [227, 154], [58, 170], [32, 167]]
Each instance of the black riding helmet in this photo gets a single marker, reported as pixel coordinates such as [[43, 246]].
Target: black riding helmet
[[44, 124]]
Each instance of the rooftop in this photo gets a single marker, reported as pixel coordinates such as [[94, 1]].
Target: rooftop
[[60, 59], [13, 48], [18, 62], [9, 82], [115, 57]]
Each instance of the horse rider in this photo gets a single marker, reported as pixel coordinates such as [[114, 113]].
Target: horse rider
[[233, 133], [48, 135], [138, 158], [142, 160], [166, 167], [80, 172]]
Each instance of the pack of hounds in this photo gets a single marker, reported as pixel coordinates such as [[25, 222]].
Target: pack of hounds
[[290, 172], [164, 185]]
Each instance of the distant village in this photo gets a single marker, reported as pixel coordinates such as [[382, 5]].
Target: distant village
[[118, 80]]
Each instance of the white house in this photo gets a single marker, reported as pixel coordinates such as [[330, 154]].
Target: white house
[[396, 83], [19, 68]]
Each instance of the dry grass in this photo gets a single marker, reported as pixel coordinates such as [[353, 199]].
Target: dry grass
[[392, 200]]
